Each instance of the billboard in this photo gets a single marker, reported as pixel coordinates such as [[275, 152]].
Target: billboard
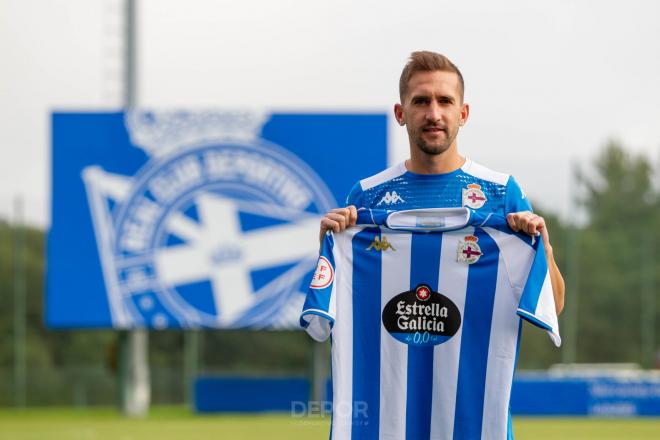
[[188, 219]]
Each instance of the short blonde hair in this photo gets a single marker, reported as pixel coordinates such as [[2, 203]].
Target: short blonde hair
[[427, 61]]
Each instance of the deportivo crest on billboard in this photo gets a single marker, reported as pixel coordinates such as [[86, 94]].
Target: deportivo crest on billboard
[[216, 226]]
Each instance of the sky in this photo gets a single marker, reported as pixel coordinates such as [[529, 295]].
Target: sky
[[549, 83]]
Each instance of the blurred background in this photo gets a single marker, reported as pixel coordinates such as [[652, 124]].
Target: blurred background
[[563, 95]]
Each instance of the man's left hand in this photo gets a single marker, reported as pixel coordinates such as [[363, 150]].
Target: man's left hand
[[529, 223], [532, 224]]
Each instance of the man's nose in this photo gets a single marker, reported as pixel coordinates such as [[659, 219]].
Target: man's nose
[[433, 112]]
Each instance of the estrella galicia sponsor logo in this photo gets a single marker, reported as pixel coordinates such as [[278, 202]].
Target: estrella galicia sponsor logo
[[421, 317]]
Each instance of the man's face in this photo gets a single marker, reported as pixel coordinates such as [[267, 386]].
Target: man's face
[[432, 111]]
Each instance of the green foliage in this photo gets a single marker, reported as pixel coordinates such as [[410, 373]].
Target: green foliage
[[615, 262], [616, 257]]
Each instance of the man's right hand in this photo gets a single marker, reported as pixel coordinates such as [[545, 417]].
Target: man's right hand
[[337, 220]]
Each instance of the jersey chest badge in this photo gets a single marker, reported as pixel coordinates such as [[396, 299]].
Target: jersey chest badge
[[473, 196], [468, 250]]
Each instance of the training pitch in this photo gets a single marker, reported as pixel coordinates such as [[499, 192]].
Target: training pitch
[[170, 423]]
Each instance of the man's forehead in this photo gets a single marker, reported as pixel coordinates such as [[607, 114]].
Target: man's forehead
[[446, 83]]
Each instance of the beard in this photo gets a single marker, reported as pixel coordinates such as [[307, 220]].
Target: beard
[[435, 148]]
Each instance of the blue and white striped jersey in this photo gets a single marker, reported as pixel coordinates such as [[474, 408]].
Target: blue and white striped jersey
[[424, 308], [472, 185]]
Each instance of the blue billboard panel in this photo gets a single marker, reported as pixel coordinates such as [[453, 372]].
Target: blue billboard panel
[[195, 219]]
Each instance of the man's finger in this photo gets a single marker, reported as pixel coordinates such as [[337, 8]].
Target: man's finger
[[341, 211], [511, 220], [339, 218], [352, 219], [330, 225]]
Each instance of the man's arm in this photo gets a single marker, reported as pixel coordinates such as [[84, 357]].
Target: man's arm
[[532, 224]]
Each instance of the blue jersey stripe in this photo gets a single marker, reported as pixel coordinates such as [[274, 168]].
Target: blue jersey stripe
[[366, 335], [424, 269], [477, 318], [537, 274]]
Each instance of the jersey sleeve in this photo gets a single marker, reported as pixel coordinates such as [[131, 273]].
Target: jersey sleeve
[[355, 196], [318, 314], [515, 200], [537, 302]]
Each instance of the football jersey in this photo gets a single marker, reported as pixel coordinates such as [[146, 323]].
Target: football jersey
[[424, 310], [472, 186]]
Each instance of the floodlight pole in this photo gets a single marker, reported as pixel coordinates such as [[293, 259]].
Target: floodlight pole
[[134, 377], [191, 350], [20, 364], [319, 371]]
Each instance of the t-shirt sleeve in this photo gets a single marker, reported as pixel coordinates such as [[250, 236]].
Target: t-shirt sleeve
[[516, 200], [355, 196], [537, 302], [318, 314]]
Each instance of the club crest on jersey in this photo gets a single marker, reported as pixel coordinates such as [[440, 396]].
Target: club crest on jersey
[[468, 250], [473, 196], [323, 275], [391, 198], [421, 317], [380, 244]]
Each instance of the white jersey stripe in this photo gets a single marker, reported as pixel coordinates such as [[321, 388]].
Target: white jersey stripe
[[342, 341], [393, 373], [383, 176], [501, 359], [452, 282], [481, 172]]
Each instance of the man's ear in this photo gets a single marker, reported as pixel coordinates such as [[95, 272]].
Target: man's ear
[[465, 113], [398, 114]]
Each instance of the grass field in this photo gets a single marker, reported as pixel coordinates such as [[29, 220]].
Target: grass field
[[170, 423]]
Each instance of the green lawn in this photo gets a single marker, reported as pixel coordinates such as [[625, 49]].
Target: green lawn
[[170, 423]]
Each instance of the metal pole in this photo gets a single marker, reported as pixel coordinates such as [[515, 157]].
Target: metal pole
[[190, 362], [134, 377], [20, 364], [130, 54], [319, 371]]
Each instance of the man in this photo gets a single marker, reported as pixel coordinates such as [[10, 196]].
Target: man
[[432, 109]]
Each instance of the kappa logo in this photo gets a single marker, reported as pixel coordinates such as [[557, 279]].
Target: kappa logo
[[380, 244], [473, 196], [391, 198], [182, 239], [469, 251]]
